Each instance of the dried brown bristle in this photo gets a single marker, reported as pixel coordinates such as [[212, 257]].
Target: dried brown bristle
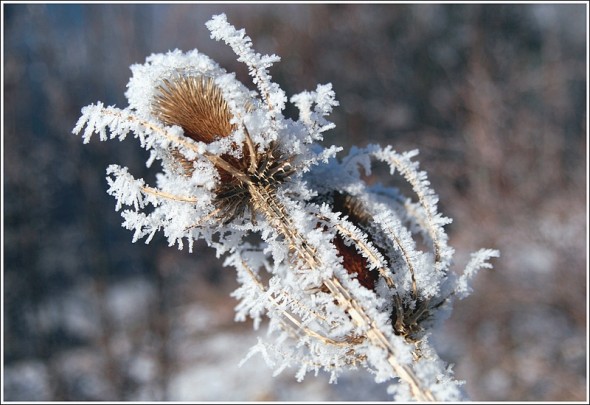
[[197, 105]]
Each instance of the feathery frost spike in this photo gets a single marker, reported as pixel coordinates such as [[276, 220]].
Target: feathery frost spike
[[348, 285]]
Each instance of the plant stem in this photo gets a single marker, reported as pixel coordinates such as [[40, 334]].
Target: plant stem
[[267, 204]]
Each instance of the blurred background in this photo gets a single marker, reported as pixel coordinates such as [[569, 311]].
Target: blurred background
[[493, 96]]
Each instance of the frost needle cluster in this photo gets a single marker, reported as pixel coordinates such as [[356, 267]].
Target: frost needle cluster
[[337, 268]]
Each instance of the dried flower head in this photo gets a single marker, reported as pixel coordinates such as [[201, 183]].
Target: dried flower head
[[195, 104], [348, 284]]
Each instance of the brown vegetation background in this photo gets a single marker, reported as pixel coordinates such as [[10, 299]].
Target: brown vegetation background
[[493, 96]]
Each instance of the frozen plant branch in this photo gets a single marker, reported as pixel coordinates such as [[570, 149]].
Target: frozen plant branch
[[348, 285]]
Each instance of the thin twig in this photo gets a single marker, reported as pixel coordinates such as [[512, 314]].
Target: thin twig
[[169, 196]]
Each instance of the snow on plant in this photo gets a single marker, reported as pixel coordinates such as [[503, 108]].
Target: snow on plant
[[338, 270]]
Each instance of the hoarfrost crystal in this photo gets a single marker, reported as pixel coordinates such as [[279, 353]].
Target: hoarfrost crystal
[[348, 286]]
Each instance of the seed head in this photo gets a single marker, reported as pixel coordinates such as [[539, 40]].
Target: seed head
[[197, 105]]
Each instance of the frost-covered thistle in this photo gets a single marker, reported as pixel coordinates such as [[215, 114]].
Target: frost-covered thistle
[[348, 286]]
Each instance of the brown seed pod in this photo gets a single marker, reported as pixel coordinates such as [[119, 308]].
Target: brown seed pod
[[353, 261], [197, 105], [405, 320]]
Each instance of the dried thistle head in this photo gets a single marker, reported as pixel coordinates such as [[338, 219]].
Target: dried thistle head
[[406, 316], [268, 168], [353, 261], [195, 104]]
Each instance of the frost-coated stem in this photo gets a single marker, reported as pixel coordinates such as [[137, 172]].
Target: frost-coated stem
[[275, 213], [377, 337]]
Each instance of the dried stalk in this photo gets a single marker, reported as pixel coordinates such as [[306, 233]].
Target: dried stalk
[[169, 196], [267, 204], [294, 325]]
